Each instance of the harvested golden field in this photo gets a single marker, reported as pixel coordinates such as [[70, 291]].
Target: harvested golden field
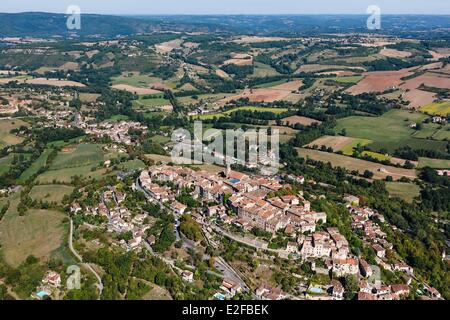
[[430, 80], [44, 81], [419, 98], [335, 142], [271, 94], [240, 59], [168, 46], [320, 67], [222, 74], [379, 81], [393, 53], [37, 233], [304, 121], [256, 39], [380, 171], [135, 90]]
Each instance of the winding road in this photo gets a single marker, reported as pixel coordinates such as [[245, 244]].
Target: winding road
[[80, 259]]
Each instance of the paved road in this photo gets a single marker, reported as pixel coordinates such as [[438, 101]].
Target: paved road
[[79, 258]]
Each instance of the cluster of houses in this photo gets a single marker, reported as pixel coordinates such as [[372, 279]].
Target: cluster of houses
[[120, 219], [116, 131], [251, 198]]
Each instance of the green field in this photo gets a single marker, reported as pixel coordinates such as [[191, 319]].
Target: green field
[[437, 108], [38, 233], [35, 166], [247, 108], [151, 101], [351, 79], [271, 84], [359, 165], [81, 155], [376, 155], [6, 138], [348, 149], [50, 193], [395, 133], [263, 70], [135, 79], [65, 175], [434, 163], [5, 163], [405, 191]]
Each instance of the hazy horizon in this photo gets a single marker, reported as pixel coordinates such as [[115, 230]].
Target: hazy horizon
[[230, 7]]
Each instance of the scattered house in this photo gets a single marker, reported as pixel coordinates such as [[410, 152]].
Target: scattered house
[[366, 270], [400, 289], [53, 279], [342, 267], [433, 292], [187, 276], [352, 200], [379, 250], [267, 292], [178, 208], [75, 208], [366, 296], [403, 267], [151, 240], [337, 290], [443, 173], [230, 287], [292, 247]]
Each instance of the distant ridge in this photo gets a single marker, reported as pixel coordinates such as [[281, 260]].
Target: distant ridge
[[40, 24]]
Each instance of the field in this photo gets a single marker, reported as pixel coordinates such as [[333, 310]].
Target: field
[[6, 138], [247, 108], [395, 133], [135, 90], [50, 193], [438, 108], [87, 172], [5, 163], [379, 81], [320, 67], [65, 175], [153, 102], [44, 81], [263, 70], [419, 98], [339, 143], [393, 53], [350, 164], [270, 94], [405, 191], [135, 79], [81, 155], [293, 120], [351, 79], [35, 166], [38, 233], [434, 163]]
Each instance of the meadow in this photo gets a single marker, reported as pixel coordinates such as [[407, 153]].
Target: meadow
[[434, 163], [35, 166], [405, 191], [6, 138], [351, 164], [37, 233], [50, 193], [437, 108], [81, 155], [396, 132], [246, 108]]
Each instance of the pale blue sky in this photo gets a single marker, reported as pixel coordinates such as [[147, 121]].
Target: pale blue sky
[[229, 6]]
